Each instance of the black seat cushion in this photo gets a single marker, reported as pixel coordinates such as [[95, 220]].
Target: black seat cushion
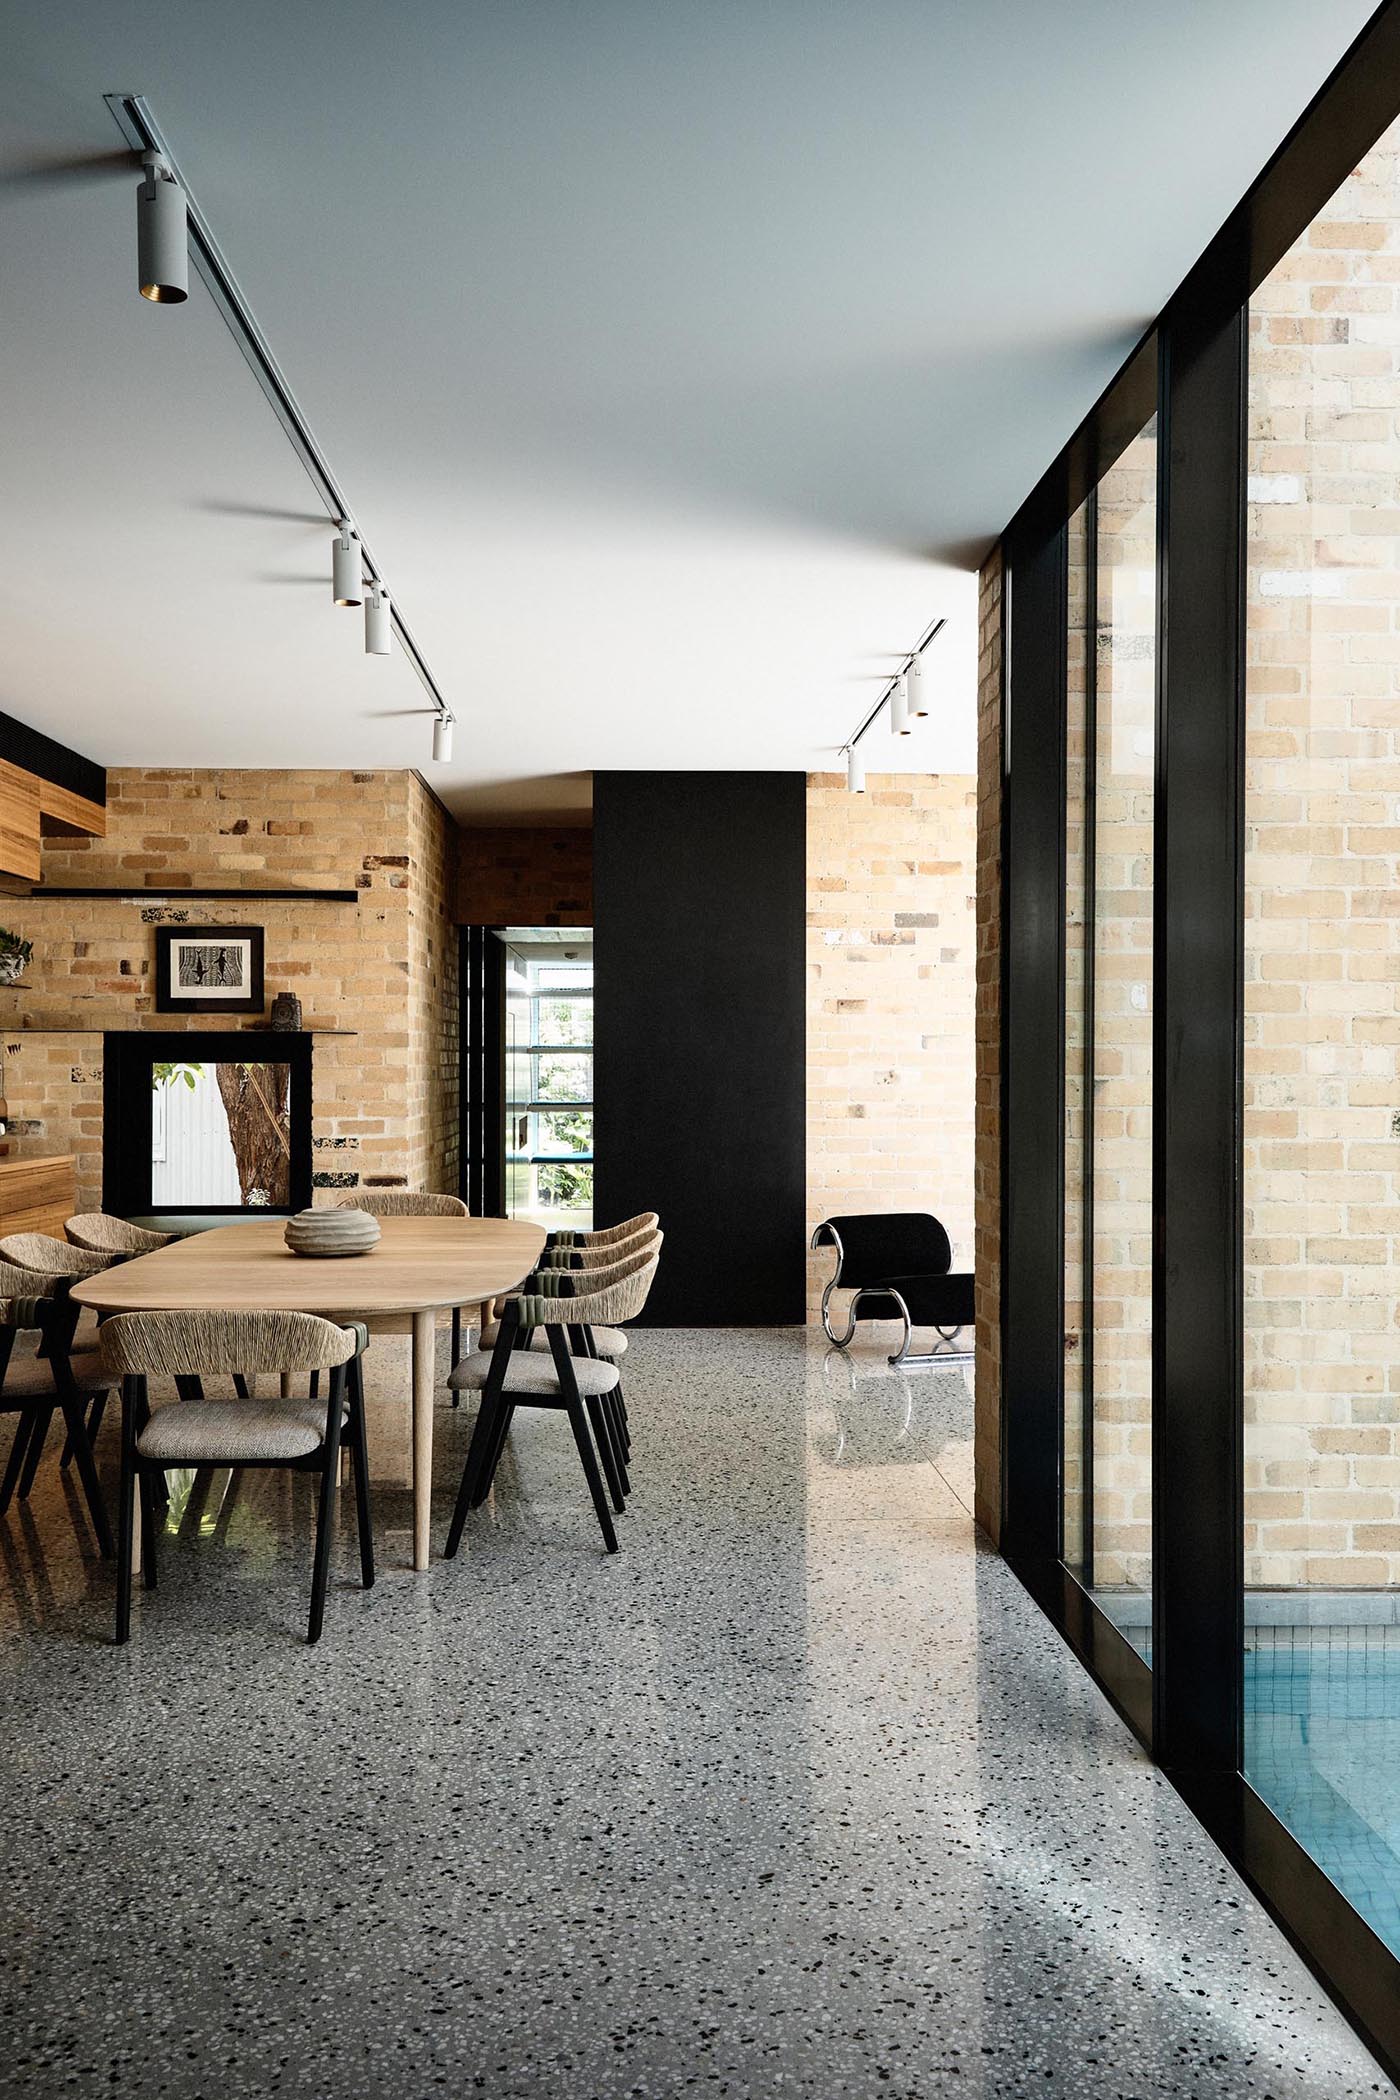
[[879, 1245], [932, 1301]]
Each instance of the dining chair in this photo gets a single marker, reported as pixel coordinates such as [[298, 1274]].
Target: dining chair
[[98, 1232], [565, 1305], [31, 1387], [298, 1435], [606, 1235], [413, 1203]]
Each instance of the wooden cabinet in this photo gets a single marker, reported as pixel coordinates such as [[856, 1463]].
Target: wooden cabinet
[[36, 1195]]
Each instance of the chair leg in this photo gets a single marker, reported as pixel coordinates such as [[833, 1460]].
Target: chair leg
[[145, 1488], [610, 1409], [37, 1438], [73, 1407], [602, 1437], [95, 1414], [456, 1344], [325, 1517], [360, 1456], [240, 1385], [578, 1422], [492, 1422], [125, 1508], [24, 1429]]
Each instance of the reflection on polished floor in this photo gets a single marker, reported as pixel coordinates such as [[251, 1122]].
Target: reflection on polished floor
[[800, 1794]]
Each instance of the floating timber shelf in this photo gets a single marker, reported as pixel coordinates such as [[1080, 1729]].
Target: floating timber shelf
[[154, 1028], [178, 896]]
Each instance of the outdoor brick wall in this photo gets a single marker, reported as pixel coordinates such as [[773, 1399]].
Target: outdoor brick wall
[[531, 876], [891, 960], [1322, 1119], [385, 1098], [987, 1174]]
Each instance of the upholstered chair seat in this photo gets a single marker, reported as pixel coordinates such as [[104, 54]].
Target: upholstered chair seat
[[608, 1341], [529, 1373]]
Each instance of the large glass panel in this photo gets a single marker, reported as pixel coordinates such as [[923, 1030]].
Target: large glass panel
[[1122, 715], [1077, 1385], [1322, 1100], [549, 1077], [220, 1136]]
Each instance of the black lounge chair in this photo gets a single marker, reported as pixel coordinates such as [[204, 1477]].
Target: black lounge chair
[[899, 1265]]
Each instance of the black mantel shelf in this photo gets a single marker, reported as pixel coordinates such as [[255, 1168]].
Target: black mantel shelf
[[178, 896], [90, 1028]]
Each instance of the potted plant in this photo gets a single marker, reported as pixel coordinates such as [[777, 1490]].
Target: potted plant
[[14, 956]]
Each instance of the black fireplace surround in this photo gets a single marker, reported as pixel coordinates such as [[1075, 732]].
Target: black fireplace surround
[[128, 1115]]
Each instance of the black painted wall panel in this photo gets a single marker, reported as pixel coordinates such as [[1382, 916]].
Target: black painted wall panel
[[699, 1076]]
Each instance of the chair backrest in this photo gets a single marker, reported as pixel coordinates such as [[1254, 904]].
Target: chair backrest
[[98, 1232], [22, 1293], [591, 1297], [404, 1203], [43, 1256], [597, 1257], [608, 1235], [173, 1344], [873, 1246]]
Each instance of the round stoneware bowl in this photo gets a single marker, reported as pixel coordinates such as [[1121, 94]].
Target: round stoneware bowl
[[330, 1235]]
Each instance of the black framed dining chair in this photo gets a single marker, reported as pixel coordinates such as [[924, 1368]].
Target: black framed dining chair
[[297, 1435], [53, 1380]]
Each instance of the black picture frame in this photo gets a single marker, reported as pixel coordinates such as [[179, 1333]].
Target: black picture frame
[[169, 939]]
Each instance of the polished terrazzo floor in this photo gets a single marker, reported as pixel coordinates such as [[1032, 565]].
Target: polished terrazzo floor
[[799, 1795]]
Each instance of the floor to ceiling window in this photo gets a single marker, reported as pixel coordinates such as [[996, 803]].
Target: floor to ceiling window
[[1321, 1104], [1110, 760], [1198, 1010], [549, 1075]]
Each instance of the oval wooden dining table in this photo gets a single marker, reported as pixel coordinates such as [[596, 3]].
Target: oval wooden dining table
[[421, 1266]]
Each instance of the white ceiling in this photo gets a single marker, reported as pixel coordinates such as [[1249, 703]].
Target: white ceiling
[[678, 361]]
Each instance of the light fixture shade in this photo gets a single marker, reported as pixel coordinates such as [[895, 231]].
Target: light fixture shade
[[855, 771], [379, 629], [162, 243], [899, 706], [347, 584], [918, 689], [442, 739]]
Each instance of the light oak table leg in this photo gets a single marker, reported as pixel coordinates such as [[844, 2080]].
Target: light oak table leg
[[424, 1384]]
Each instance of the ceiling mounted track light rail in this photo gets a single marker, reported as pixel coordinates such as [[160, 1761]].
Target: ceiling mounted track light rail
[[906, 696], [170, 229]]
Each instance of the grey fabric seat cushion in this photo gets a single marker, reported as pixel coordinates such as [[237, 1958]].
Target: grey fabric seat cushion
[[529, 1373], [31, 1377], [227, 1432], [612, 1341]]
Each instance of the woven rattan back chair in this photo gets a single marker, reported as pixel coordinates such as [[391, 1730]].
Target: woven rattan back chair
[[600, 1255], [566, 1305], [413, 1203], [54, 1378], [404, 1203], [98, 1232], [607, 1235], [43, 1255], [304, 1436]]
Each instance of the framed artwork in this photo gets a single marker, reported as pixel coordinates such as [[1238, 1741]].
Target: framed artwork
[[209, 969]]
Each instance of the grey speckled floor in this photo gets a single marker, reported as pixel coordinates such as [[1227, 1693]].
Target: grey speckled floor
[[797, 1796]]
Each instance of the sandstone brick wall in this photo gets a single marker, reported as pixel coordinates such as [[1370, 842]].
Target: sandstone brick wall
[[987, 1170], [385, 1100], [1322, 1118], [891, 962], [539, 875]]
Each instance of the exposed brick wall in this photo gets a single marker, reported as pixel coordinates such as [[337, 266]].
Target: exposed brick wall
[[533, 876], [891, 957], [1322, 1101], [385, 1100], [987, 1173]]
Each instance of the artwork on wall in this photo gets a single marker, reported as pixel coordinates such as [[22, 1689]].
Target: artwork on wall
[[209, 969]]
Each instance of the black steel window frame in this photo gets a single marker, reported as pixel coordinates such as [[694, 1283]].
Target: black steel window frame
[[482, 1185], [1192, 369]]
